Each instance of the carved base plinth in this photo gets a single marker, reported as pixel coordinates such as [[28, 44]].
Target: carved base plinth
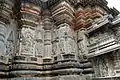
[[25, 66], [108, 78], [87, 67], [33, 78], [4, 67], [69, 77], [47, 60], [26, 78]]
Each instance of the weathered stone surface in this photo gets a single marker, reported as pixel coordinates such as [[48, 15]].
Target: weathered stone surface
[[59, 40]]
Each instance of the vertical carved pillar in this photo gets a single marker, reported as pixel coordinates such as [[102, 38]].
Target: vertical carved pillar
[[82, 42], [2, 37], [64, 20], [28, 56], [47, 35], [39, 43], [29, 22], [55, 42], [63, 14], [5, 16]]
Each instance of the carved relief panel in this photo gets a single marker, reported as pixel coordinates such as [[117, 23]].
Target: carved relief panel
[[100, 35], [103, 66], [28, 41]]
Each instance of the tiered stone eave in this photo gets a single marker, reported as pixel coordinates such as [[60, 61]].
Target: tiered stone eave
[[6, 10], [63, 13]]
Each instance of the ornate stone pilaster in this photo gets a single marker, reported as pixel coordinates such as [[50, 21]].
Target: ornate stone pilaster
[[64, 20], [5, 16], [39, 43], [47, 35], [5, 20], [28, 23], [2, 37], [27, 58], [64, 40], [82, 42]]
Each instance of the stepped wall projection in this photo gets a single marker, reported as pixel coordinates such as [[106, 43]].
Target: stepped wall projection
[[59, 40]]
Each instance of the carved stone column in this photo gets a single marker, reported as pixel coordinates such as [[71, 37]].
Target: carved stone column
[[29, 21], [82, 42], [63, 14], [64, 20], [2, 37], [39, 43], [5, 17], [47, 35], [66, 39]]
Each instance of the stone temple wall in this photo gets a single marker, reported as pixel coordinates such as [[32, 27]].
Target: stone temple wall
[[59, 40]]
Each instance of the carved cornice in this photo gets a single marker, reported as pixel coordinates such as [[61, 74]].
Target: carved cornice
[[6, 10], [86, 16], [63, 13], [28, 13]]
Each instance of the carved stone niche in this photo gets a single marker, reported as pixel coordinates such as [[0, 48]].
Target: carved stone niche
[[47, 60], [58, 57], [69, 56], [19, 58]]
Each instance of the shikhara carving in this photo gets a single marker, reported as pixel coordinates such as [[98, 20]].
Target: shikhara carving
[[59, 40]]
